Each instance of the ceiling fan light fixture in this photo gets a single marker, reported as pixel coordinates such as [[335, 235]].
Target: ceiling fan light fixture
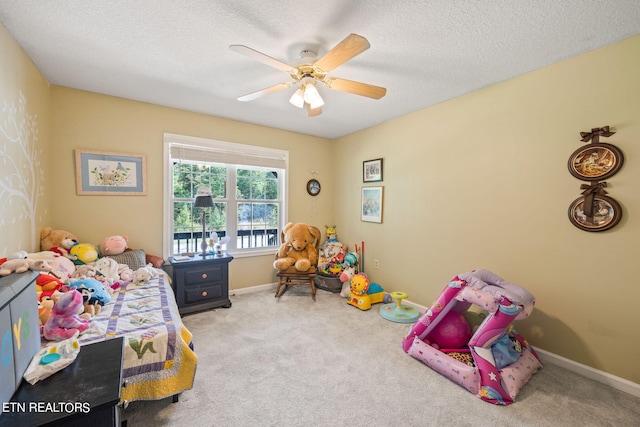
[[312, 97], [297, 99]]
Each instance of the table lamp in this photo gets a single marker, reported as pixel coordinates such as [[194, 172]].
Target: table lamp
[[204, 200]]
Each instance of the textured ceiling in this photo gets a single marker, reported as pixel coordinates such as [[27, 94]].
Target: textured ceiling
[[175, 52]]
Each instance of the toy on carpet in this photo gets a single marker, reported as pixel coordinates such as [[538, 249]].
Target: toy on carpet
[[398, 312], [65, 320], [113, 245], [502, 360], [299, 248], [363, 293], [452, 332]]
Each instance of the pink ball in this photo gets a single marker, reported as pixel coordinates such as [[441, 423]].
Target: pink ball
[[452, 331]]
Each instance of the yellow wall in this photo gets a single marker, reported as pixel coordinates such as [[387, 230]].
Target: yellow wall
[[96, 122], [482, 181], [25, 138]]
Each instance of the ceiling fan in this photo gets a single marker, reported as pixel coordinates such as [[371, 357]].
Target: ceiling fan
[[311, 71]]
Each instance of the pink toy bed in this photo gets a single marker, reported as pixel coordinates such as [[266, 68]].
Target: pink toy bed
[[501, 361]]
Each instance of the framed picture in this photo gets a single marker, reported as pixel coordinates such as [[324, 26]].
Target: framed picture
[[372, 170], [106, 173], [595, 162], [371, 206], [606, 214]]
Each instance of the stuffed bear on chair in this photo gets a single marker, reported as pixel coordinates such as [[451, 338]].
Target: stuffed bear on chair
[[299, 249]]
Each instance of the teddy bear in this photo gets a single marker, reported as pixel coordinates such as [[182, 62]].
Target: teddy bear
[[299, 249], [22, 265], [113, 245], [65, 321], [59, 241]]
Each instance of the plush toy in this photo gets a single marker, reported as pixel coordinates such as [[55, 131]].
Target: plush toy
[[107, 270], [22, 265], [47, 283], [144, 274], [125, 272], [50, 238], [86, 271], [83, 253], [94, 288], [299, 250], [113, 245], [331, 233], [363, 293], [64, 321]]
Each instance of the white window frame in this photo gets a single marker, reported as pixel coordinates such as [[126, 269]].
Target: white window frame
[[235, 153]]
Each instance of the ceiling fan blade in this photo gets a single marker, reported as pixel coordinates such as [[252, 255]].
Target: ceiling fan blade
[[312, 112], [348, 48], [363, 89], [263, 92], [261, 57]]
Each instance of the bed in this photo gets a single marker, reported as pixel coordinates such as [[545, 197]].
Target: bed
[[159, 360]]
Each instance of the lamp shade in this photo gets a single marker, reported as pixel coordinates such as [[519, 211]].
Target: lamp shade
[[203, 201], [203, 198]]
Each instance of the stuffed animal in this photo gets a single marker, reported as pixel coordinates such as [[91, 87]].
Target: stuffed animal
[[65, 321], [50, 238], [83, 253], [299, 249], [144, 274], [125, 272], [47, 283], [22, 265], [113, 245], [107, 269], [94, 288], [86, 271]]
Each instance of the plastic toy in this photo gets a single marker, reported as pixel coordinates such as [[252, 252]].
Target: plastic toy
[[363, 293], [452, 332], [504, 302], [398, 312]]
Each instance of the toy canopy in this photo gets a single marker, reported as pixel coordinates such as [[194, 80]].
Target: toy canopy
[[501, 361]]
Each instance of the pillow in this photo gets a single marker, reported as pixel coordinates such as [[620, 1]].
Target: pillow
[[154, 260], [135, 258]]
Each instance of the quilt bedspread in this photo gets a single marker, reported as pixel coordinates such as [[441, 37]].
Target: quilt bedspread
[[158, 357]]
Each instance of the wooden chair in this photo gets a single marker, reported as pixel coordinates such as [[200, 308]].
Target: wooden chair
[[296, 278], [292, 277]]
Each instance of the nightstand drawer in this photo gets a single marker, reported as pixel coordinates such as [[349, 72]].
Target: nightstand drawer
[[196, 294], [203, 275]]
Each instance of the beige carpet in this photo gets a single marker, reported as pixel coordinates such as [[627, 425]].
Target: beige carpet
[[295, 362]]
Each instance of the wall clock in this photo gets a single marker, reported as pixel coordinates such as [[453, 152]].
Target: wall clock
[[313, 187]]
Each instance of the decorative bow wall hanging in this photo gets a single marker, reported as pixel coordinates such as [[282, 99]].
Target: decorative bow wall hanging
[[594, 211]]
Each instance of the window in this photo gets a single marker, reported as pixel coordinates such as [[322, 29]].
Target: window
[[248, 187]]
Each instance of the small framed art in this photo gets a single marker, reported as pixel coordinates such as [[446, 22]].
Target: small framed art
[[372, 170], [371, 205], [595, 162], [606, 213], [106, 173]]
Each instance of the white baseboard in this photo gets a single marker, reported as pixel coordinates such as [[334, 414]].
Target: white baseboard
[[589, 372], [546, 356], [251, 289]]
